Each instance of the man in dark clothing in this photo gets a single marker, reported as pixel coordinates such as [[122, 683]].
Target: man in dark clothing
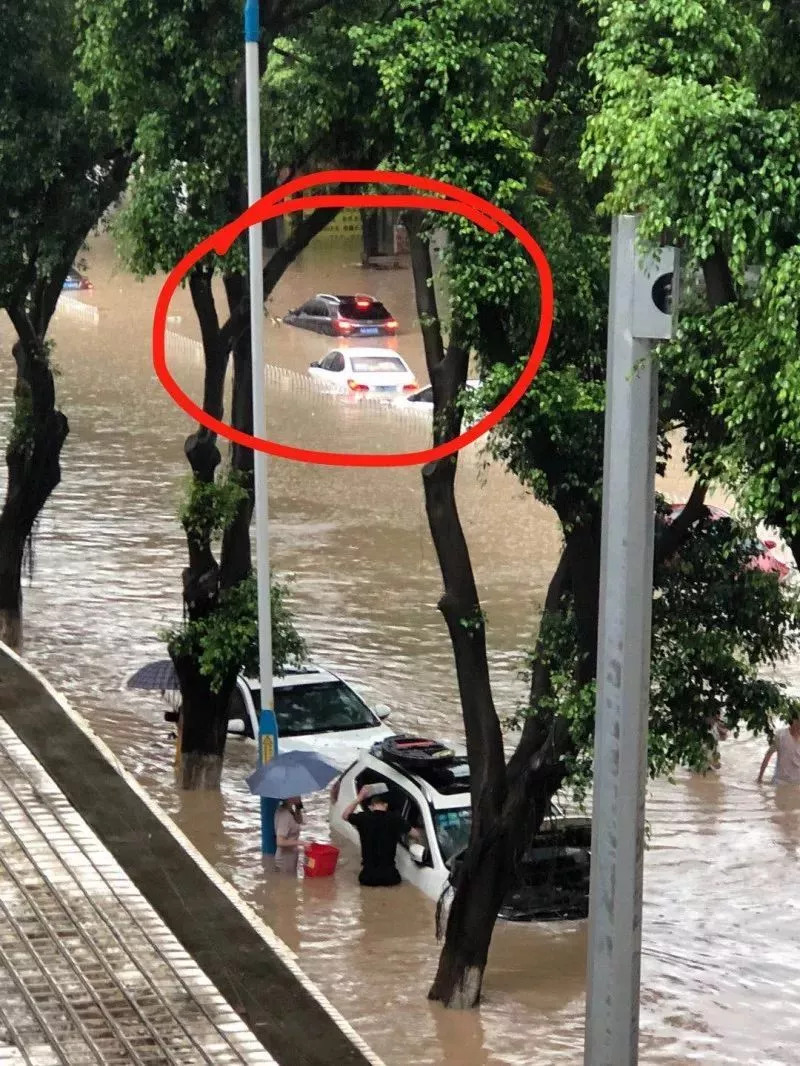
[[380, 831]]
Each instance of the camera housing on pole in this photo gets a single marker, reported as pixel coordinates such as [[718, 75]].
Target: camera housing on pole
[[655, 293], [642, 302]]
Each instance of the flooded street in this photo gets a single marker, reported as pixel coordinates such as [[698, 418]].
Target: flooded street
[[721, 966]]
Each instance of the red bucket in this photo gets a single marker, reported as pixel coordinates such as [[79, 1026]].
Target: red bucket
[[320, 860]]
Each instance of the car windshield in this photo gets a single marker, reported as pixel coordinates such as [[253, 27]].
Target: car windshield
[[374, 311], [452, 830], [319, 708], [377, 364]]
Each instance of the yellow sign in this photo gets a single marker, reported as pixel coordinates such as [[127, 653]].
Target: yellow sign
[[267, 748]]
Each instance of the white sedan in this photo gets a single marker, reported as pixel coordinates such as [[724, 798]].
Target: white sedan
[[369, 371], [422, 399]]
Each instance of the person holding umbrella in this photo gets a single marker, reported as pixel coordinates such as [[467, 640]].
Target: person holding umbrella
[[288, 820], [287, 777]]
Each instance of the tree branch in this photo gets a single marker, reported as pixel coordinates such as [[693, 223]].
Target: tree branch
[[283, 258], [557, 53], [674, 534], [425, 295], [215, 349], [720, 286]]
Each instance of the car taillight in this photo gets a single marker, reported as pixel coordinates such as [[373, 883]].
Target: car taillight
[[411, 388], [356, 386], [344, 327], [391, 324]]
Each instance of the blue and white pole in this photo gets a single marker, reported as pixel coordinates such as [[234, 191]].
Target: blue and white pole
[[267, 724]]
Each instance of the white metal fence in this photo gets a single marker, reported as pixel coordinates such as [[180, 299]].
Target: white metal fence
[[285, 380], [75, 308]]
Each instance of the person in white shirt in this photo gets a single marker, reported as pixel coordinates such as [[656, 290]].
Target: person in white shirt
[[786, 746]]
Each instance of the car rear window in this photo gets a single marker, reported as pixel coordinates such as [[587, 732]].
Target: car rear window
[[373, 312], [328, 707], [377, 364]]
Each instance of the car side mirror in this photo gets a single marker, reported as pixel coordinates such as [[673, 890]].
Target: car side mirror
[[417, 853], [236, 727], [316, 363], [383, 711]]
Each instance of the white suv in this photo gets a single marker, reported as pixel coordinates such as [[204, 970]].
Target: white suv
[[315, 709], [553, 881]]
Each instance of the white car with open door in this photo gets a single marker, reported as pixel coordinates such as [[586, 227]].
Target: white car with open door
[[316, 710], [429, 785], [377, 372]]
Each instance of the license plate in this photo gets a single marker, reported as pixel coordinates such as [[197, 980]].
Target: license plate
[[385, 388], [369, 331]]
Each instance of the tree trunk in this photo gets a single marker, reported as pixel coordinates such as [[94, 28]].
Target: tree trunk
[[482, 884], [481, 881], [370, 245], [203, 719], [34, 467], [203, 726]]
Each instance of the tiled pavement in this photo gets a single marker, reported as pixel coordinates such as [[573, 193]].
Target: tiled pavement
[[89, 973]]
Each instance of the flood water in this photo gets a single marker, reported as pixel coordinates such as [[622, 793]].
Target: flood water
[[721, 965]]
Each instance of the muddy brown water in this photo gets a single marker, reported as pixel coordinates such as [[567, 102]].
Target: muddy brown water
[[721, 958]]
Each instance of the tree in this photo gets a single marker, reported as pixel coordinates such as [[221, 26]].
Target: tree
[[698, 127], [451, 85], [172, 76], [60, 169]]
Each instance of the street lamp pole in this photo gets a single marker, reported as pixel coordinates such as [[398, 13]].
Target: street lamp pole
[[268, 733]]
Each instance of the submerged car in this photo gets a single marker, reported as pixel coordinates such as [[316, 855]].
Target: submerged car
[[376, 371], [422, 399], [428, 784], [315, 710], [764, 557], [343, 316], [74, 280]]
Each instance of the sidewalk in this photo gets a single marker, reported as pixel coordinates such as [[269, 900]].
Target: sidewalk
[[119, 943], [88, 971]]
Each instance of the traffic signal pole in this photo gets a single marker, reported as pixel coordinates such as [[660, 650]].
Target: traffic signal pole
[[639, 312]]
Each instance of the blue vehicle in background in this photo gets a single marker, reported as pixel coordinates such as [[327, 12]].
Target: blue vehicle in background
[[76, 282]]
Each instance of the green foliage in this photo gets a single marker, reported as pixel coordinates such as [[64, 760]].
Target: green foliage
[[166, 73], [55, 158], [671, 128], [210, 507], [22, 437], [717, 622], [225, 642], [172, 78], [697, 125]]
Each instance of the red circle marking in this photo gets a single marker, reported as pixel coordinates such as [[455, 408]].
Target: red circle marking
[[449, 199]]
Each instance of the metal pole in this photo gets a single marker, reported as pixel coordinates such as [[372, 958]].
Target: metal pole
[[268, 734], [623, 673]]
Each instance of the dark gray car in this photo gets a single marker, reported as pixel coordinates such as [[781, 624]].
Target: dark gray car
[[343, 316]]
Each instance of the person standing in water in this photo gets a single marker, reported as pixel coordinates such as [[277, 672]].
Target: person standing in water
[[288, 820], [380, 831], [786, 745]]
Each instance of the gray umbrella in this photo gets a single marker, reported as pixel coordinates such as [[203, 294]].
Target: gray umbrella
[[293, 773], [159, 676]]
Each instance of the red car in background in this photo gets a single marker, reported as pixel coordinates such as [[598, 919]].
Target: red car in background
[[764, 557]]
